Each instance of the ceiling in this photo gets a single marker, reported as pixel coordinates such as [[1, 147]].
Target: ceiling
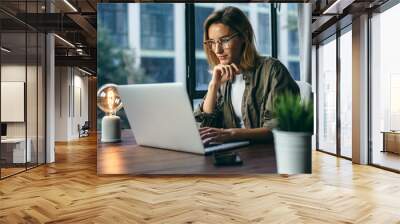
[[72, 20], [332, 15]]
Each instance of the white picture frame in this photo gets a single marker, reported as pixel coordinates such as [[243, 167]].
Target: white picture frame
[[12, 101]]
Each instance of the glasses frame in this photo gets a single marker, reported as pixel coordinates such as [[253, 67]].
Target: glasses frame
[[223, 41]]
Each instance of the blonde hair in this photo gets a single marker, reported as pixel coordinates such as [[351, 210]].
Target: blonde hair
[[237, 21]]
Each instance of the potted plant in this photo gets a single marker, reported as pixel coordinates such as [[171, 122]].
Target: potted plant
[[292, 135]]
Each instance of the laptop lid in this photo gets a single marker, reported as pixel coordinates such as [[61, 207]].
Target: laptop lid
[[160, 116]]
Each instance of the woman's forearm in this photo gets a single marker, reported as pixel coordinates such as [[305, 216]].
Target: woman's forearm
[[252, 134], [211, 98]]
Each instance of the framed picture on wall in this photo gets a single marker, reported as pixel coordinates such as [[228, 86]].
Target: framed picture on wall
[[12, 101]]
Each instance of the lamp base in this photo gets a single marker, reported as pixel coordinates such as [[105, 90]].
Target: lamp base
[[111, 129]]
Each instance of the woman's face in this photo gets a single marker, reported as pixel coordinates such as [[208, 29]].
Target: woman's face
[[231, 52]]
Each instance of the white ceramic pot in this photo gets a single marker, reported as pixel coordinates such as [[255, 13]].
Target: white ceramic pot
[[292, 151]]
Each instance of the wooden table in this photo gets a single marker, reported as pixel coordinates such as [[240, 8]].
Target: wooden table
[[129, 158]]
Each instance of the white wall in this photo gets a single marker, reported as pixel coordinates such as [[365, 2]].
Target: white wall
[[17, 73], [12, 73], [61, 103], [70, 83]]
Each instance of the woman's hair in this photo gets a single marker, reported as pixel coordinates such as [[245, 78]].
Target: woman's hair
[[237, 21]]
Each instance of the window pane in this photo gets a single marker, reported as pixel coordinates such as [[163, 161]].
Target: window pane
[[200, 14], [13, 85], [22, 91], [264, 31], [113, 18], [259, 16], [385, 88], [157, 26], [327, 96], [196, 103], [161, 69], [288, 38], [202, 68], [346, 94], [294, 68], [155, 40]]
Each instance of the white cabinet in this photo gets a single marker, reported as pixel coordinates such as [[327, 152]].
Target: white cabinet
[[17, 146]]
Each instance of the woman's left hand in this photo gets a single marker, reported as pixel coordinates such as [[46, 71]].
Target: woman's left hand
[[219, 135]]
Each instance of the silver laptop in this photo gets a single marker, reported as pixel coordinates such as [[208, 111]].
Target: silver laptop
[[160, 116]]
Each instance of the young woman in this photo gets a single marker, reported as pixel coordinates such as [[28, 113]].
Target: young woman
[[240, 99]]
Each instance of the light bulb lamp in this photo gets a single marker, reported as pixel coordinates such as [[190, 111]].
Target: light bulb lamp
[[109, 101]]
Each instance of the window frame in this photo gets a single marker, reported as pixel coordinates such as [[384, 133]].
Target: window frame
[[191, 78], [25, 30], [337, 34], [345, 22]]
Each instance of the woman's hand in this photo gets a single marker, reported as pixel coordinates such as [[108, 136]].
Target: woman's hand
[[223, 73], [219, 135]]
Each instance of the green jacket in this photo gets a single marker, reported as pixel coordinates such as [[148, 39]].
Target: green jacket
[[263, 84]]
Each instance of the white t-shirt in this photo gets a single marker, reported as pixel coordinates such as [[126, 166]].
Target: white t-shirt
[[237, 96]]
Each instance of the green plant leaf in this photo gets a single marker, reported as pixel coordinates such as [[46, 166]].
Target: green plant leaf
[[292, 114]]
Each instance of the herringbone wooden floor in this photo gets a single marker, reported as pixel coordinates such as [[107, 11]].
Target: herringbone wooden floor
[[70, 192]]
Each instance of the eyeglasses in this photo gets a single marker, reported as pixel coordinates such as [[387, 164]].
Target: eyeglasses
[[225, 42]]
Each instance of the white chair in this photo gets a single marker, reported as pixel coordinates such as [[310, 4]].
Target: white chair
[[305, 91]]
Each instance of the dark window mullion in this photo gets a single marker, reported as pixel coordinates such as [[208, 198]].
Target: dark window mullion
[[199, 94], [26, 87], [317, 97], [369, 100], [190, 52], [338, 98], [44, 81], [37, 92], [274, 31]]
